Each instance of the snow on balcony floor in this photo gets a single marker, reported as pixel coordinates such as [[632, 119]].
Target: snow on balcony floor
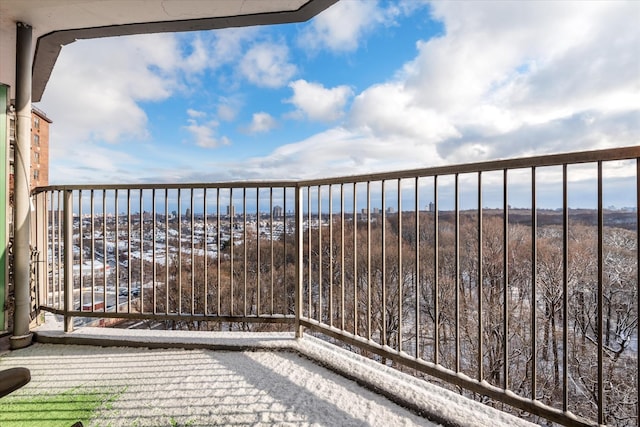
[[281, 381]]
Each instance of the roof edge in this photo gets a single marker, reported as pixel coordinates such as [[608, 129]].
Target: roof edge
[[48, 46]]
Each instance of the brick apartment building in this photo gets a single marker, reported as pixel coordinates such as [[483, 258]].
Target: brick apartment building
[[39, 150]]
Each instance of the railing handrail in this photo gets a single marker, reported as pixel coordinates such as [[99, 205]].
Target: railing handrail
[[610, 154]]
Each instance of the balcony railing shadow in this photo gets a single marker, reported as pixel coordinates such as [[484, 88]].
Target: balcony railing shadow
[[514, 282]]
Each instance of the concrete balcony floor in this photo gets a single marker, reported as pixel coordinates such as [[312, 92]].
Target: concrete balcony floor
[[234, 379]]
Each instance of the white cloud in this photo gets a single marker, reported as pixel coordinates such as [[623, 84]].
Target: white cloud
[[267, 65], [343, 26], [261, 122], [195, 113], [316, 102], [205, 133]]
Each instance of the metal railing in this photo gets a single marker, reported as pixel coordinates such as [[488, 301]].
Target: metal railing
[[515, 281]]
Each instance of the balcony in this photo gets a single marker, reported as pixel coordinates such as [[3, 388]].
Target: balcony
[[513, 283]]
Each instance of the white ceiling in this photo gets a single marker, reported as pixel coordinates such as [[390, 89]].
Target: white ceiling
[[59, 22]]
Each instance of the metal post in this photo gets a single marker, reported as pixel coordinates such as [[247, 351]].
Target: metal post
[[299, 264], [22, 253], [68, 260]]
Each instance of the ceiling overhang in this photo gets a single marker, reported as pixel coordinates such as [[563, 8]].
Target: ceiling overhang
[[57, 23]]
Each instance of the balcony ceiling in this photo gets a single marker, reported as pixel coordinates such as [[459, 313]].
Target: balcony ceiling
[[56, 23]]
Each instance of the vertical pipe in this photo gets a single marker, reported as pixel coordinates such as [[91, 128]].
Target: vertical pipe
[[480, 282], [565, 289], [457, 269], [505, 280], [299, 255], [68, 260], [534, 283], [600, 402], [21, 216]]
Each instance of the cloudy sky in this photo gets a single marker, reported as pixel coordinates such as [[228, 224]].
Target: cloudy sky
[[365, 86]]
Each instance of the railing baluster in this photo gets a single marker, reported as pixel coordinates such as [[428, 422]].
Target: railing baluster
[[355, 260], [93, 252], [342, 265], [436, 275], [116, 252], [205, 244], [193, 251], [244, 247], [320, 316], [218, 254], [154, 261], [383, 339], [457, 270], [480, 282], [299, 206], [68, 260], [416, 273], [141, 197], [330, 256], [534, 284], [600, 402], [505, 280], [258, 284], [81, 248], [166, 251], [369, 260], [129, 272], [565, 288], [179, 222], [400, 278]]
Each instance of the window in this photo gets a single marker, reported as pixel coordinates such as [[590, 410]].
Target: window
[[36, 140], [36, 174], [36, 157], [36, 122]]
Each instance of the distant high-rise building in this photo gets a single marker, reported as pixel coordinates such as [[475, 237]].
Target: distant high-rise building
[[277, 212], [231, 210]]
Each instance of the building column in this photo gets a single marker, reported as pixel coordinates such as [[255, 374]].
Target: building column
[[21, 247]]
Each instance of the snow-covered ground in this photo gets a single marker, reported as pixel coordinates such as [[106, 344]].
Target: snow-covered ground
[[274, 380]]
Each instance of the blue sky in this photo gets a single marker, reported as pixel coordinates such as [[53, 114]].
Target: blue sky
[[365, 86]]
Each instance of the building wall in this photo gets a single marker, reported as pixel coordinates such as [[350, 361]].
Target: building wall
[[39, 149]]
